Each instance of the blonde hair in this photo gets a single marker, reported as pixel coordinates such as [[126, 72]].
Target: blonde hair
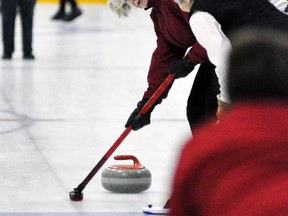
[[120, 7]]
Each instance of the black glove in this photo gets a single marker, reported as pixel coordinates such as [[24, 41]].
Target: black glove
[[181, 68], [140, 121]]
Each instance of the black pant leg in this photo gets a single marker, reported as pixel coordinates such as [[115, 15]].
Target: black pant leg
[[211, 104], [202, 102], [8, 24], [27, 13], [62, 6], [73, 4]]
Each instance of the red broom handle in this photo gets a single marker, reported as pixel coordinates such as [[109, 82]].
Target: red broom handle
[[166, 83]]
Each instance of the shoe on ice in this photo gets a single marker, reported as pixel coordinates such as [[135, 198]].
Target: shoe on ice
[[155, 211], [74, 14], [28, 56], [7, 56], [59, 16]]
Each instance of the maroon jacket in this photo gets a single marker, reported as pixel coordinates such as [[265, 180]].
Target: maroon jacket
[[237, 167], [174, 37]]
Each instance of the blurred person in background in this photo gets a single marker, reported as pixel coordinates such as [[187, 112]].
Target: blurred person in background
[[239, 166], [9, 11], [61, 13]]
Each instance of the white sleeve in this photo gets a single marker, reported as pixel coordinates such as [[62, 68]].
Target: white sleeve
[[209, 34], [280, 4]]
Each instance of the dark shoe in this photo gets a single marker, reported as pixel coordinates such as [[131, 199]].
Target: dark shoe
[[28, 56], [74, 14], [7, 56], [59, 16]]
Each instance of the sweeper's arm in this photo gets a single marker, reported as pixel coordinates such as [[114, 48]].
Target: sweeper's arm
[[179, 69]]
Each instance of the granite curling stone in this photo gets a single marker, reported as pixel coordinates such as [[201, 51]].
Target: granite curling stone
[[126, 178]]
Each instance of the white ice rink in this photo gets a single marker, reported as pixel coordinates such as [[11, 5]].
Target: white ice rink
[[61, 112]]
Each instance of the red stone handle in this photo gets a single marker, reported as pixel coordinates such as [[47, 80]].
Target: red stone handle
[[136, 163]]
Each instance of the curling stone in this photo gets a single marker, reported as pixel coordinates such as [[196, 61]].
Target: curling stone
[[126, 178]]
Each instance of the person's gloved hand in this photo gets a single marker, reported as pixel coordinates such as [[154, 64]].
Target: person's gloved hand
[[223, 108], [181, 68], [140, 121]]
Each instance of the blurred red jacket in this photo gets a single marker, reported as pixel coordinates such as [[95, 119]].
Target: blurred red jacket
[[236, 167]]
